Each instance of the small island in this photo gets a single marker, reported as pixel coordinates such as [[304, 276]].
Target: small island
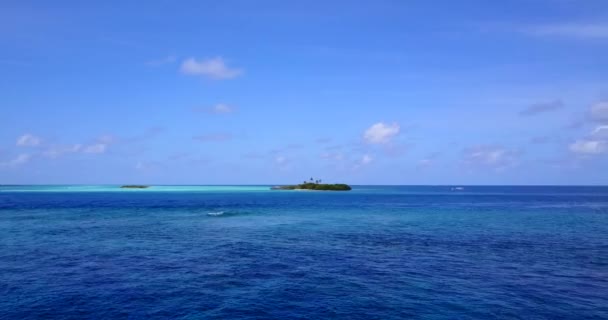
[[132, 186], [315, 185]]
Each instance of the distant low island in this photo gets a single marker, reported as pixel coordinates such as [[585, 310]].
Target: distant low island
[[315, 185], [134, 186]]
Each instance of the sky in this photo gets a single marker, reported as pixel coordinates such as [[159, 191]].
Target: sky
[[268, 92]]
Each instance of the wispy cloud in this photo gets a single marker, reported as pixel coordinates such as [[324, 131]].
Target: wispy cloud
[[363, 161], [542, 107], [599, 111], [428, 161], [490, 156], [148, 166], [595, 143], [333, 156], [147, 134], [600, 132], [381, 133], [107, 139], [220, 108], [95, 148], [17, 161], [589, 147], [366, 159], [56, 151], [425, 163], [576, 123], [214, 68], [28, 140], [100, 145], [571, 30], [283, 162], [564, 162]]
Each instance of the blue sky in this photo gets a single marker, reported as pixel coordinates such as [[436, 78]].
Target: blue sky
[[248, 92]]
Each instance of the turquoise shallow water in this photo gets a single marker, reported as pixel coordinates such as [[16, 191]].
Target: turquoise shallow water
[[244, 252]]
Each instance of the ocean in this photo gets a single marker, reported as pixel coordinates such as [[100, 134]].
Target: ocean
[[245, 252]]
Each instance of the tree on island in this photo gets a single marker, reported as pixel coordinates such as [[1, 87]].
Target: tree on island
[[313, 184]]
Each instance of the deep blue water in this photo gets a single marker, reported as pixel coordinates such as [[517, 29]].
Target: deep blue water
[[248, 253]]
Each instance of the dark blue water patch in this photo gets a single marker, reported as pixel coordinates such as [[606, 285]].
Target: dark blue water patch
[[379, 254]]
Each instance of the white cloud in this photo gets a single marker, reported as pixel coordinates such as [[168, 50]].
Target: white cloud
[[100, 146], [542, 107], [214, 68], [28, 140], [17, 161], [381, 133], [496, 157], [585, 31], [599, 111], [593, 144], [589, 147], [95, 148]]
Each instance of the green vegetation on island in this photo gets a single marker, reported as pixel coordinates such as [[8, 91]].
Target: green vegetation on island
[[315, 185], [134, 186]]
